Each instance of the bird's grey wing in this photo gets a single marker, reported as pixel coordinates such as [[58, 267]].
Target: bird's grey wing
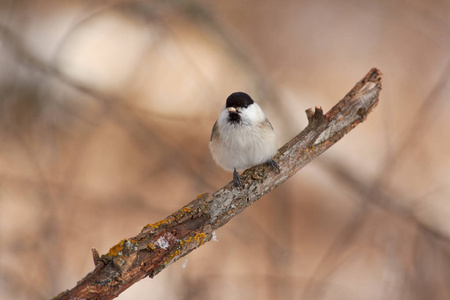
[[267, 122], [214, 131]]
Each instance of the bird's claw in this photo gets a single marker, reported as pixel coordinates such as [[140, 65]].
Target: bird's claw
[[274, 165]]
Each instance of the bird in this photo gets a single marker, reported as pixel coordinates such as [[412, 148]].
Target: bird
[[242, 136]]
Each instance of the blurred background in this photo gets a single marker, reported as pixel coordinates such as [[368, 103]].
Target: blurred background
[[106, 109]]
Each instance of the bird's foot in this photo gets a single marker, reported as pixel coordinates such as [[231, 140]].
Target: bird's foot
[[274, 165], [236, 178]]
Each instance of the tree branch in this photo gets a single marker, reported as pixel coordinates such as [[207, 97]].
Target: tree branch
[[164, 242]]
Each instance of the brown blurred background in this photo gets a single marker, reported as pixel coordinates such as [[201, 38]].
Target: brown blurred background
[[106, 109]]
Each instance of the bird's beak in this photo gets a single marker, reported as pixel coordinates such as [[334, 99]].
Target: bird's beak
[[231, 109]]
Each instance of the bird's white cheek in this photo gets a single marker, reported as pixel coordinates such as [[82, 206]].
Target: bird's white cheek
[[253, 114], [223, 118]]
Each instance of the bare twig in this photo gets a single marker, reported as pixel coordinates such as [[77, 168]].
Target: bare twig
[[164, 242]]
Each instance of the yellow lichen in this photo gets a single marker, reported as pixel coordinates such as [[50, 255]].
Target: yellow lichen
[[117, 249], [172, 218], [151, 246], [181, 213], [201, 195], [186, 241], [158, 224], [200, 237], [172, 256]]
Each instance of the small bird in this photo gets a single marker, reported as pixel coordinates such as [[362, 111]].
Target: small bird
[[242, 136]]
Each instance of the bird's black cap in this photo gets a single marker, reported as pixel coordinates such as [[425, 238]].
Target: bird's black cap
[[239, 99]]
